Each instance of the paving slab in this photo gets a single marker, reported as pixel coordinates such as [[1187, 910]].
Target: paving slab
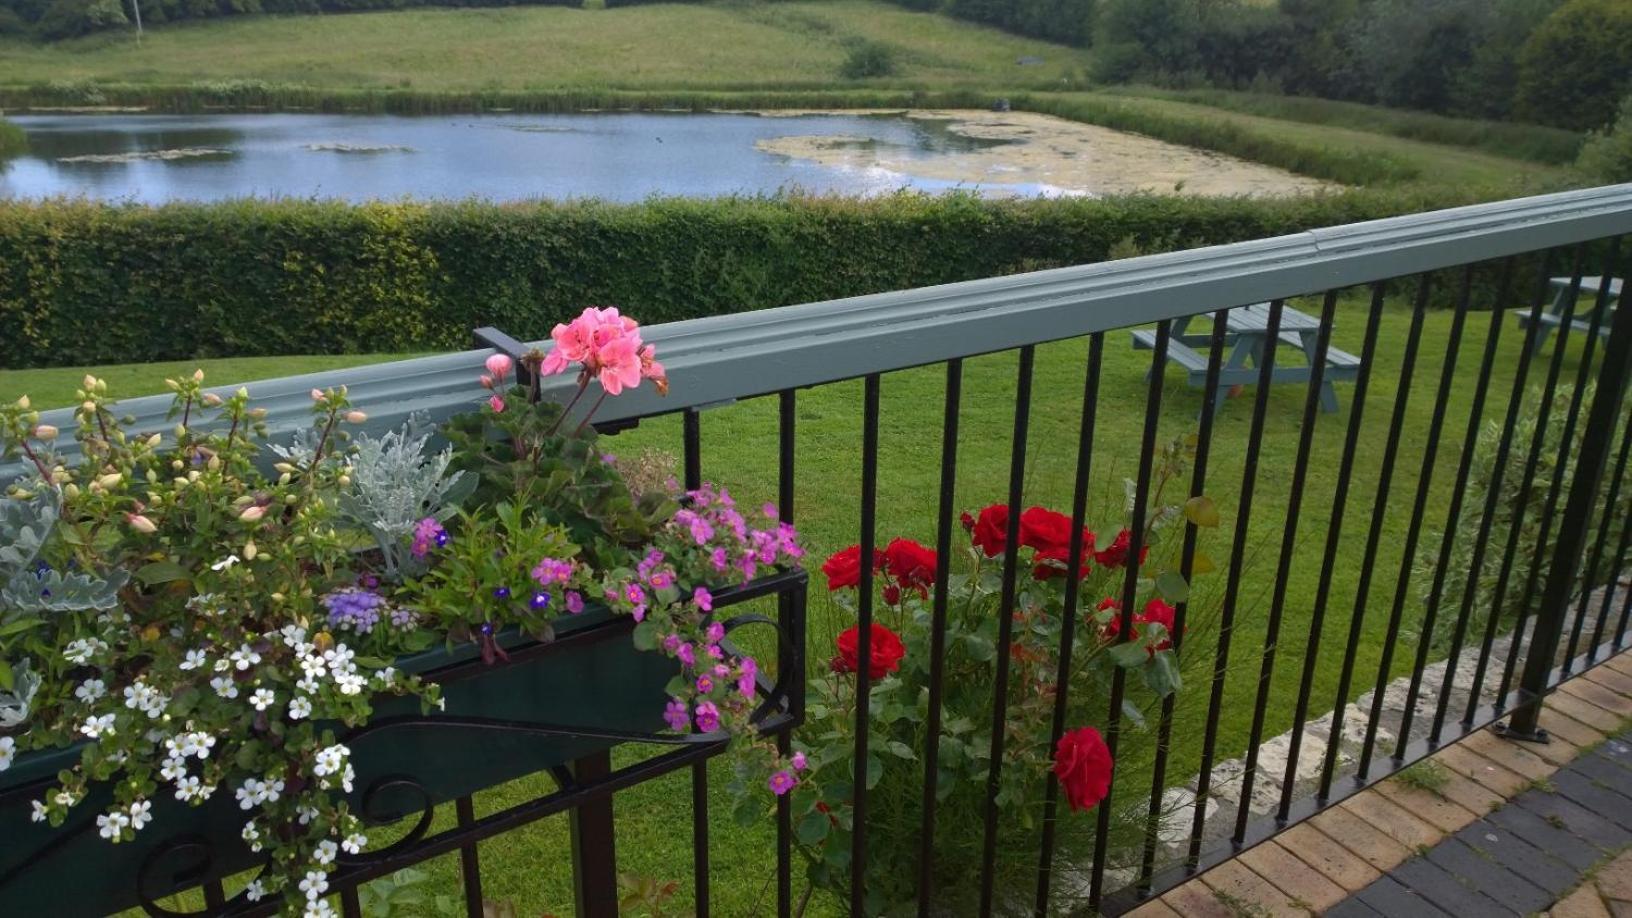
[[1512, 894], [1540, 833]]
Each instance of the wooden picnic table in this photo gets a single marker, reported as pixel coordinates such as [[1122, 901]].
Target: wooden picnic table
[[1581, 319], [1246, 335]]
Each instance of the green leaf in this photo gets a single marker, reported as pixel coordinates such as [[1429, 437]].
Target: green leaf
[[1129, 654], [645, 636], [813, 828], [1172, 586], [1201, 511], [6, 683], [901, 750], [875, 771], [1162, 675], [159, 572], [18, 626]]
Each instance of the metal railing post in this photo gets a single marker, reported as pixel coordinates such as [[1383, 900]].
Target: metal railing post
[[594, 860], [1567, 555]]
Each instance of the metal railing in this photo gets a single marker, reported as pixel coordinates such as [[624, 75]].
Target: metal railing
[[1490, 260]]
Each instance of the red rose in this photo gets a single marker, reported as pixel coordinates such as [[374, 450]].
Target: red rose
[[991, 530], [967, 521], [1045, 529], [1084, 766], [883, 655], [1112, 629], [843, 567], [1116, 554], [911, 564], [1160, 613]]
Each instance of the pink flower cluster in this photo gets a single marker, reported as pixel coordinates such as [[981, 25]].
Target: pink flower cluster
[[609, 347], [712, 523]]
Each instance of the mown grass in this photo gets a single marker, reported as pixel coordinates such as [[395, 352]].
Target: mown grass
[[739, 450], [1534, 142], [662, 46]]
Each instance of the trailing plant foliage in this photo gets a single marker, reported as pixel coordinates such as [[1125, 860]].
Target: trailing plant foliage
[[1517, 506], [300, 277]]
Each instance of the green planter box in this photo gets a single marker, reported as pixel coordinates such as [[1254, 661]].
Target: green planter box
[[590, 677]]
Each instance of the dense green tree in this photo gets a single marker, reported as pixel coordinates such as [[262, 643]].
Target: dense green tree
[[1577, 65], [1607, 155], [1147, 39], [72, 18]]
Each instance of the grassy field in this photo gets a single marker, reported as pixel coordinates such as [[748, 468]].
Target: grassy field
[[783, 45], [739, 450], [1502, 138]]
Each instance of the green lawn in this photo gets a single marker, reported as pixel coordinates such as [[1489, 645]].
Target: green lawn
[[739, 449], [732, 45]]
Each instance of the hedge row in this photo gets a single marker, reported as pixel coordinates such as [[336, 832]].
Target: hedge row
[[88, 283]]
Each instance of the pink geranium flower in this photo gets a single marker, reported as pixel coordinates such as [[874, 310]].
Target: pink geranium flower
[[499, 366]]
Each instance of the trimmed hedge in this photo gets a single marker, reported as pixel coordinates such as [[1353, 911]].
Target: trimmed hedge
[[88, 283]]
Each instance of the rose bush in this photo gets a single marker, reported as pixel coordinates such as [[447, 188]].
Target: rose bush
[[899, 672], [196, 627]]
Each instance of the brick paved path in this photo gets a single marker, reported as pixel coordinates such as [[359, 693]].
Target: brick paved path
[[1509, 829]]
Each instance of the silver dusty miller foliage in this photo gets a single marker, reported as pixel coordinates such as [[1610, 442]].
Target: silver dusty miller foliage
[[394, 485]]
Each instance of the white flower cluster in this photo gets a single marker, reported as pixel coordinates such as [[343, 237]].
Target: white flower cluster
[[80, 651], [331, 763], [241, 659], [336, 664], [139, 696], [256, 792], [96, 727], [8, 750], [196, 659], [112, 824]]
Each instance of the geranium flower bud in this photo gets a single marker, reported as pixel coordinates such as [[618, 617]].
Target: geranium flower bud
[[214, 464], [344, 481], [70, 490], [154, 441], [252, 513], [487, 381], [87, 405], [180, 431], [198, 375], [257, 414], [59, 475], [243, 392], [111, 480], [499, 365], [89, 382], [140, 523], [497, 404], [45, 432], [356, 417], [317, 395]]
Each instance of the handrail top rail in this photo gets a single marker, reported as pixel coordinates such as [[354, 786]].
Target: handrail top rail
[[719, 359]]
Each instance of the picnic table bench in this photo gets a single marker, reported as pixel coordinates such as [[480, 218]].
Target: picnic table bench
[[1580, 319], [1246, 335]]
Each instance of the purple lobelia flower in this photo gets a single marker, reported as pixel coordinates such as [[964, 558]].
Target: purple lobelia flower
[[354, 608]]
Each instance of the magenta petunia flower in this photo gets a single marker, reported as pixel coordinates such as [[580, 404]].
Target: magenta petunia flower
[[703, 598], [708, 717], [782, 782], [677, 715]]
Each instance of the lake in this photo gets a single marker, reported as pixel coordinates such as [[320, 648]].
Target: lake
[[615, 156]]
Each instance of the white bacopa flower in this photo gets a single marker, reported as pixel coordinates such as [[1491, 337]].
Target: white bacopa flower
[[249, 796], [224, 563], [91, 690], [255, 891], [306, 814], [326, 851], [330, 761], [350, 683], [353, 843], [65, 799], [195, 660], [187, 788], [8, 750], [308, 685], [250, 833], [225, 687], [244, 657], [319, 908], [174, 769], [141, 813], [39, 813], [387, 675], [293, 636], [314, 885], [347, 778], [300, 708], [111, 826], [273, 789], [263, 699], [80, 651], [96, 727]]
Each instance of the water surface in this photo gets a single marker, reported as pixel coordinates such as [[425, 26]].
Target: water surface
[[503, 157]]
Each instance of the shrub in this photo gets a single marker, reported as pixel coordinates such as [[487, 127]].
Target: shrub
[[1607, 155], [868, 59], [1577, 64], [12, 139], [72, 18], [85, 283]]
